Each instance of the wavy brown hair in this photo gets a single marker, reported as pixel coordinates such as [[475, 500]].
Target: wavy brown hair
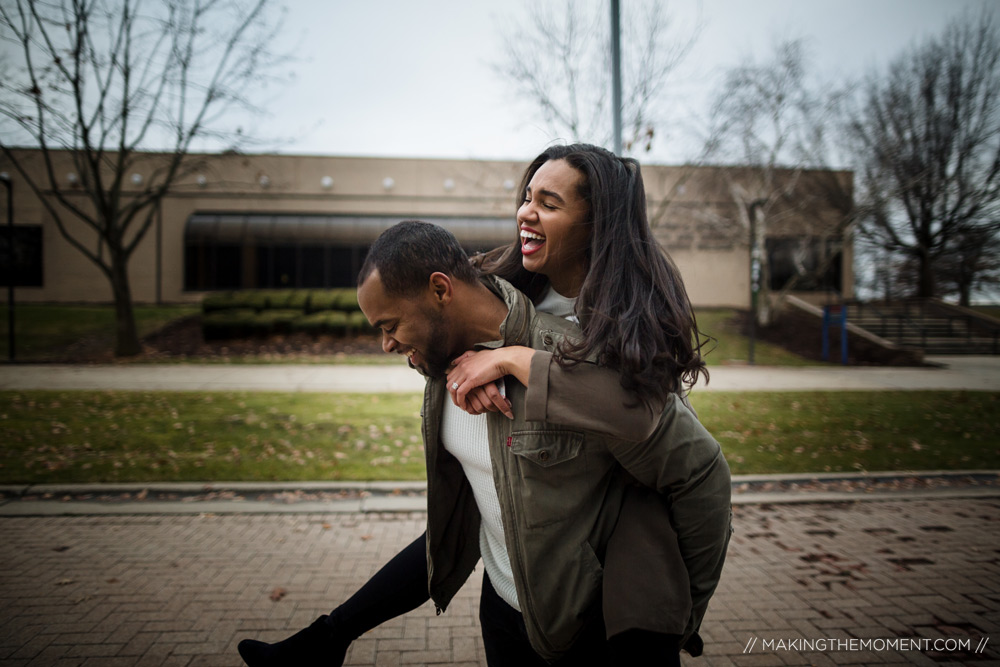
[[633, 308]]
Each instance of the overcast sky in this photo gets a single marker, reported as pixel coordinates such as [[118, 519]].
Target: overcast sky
[[413, 78], [405, 78]]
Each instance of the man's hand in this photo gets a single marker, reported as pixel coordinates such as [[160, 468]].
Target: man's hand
[[472, 378]]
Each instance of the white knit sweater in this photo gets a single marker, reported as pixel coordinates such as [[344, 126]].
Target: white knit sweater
[[465, 436]]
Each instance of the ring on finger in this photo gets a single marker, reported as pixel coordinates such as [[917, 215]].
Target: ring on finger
[[454, 386]]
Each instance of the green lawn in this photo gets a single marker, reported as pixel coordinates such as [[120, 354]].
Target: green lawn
[[41, 328], [728, 346], [791, 432], [137, 436], [50, 437]]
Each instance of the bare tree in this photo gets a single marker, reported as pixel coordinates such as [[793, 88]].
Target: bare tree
[[926, 136], [558, 59], [767, 119], [97, 81], [970, 261]]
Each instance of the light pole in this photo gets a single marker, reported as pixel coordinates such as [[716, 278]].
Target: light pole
[[616, 77], [6, 180]]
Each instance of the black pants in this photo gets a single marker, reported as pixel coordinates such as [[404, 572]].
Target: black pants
[[401, 586], [506, 639]]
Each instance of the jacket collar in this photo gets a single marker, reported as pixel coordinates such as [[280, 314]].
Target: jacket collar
[[514, 328]]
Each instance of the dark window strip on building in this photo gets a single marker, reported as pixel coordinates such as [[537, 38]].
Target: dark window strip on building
[[263, 251], [21, 257]]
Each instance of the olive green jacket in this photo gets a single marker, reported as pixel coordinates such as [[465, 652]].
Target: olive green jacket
[[560, 492]]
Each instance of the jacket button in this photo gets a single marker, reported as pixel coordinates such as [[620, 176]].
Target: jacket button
[[547, 339], [543, 455]]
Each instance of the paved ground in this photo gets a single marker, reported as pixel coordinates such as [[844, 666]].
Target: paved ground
[[976, 373], [805, 584], [887, 581]]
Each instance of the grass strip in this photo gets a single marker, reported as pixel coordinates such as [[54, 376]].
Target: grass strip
[[793, 432], [726, 345], [44, 329], [41, 328], [117, 436]]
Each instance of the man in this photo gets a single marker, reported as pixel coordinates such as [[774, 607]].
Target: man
[[537, 501]]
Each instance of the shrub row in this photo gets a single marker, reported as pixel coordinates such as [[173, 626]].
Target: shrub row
[[258, 313], [306, 301], [246, 323]]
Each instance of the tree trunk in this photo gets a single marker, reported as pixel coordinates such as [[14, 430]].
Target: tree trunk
[[764, 306], [925, 281], [760, 247], [126, 334], [965, 293]]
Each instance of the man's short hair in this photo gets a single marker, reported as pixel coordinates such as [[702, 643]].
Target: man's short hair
[[407, 253]]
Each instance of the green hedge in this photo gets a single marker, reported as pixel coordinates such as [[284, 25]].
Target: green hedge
[[222, 324], [325, 322], [247, 313], [344, 299], [359, 323], [270, 322]]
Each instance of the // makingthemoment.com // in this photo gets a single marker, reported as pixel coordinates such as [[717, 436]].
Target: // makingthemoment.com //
[[877, 645]]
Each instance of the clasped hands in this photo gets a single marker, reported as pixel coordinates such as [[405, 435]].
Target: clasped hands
[[472, 378]]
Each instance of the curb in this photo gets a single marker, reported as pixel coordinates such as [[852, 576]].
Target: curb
[[191, 488], [867, 486], [194, 498]]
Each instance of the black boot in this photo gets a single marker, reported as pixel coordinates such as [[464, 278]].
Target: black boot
[[315, 646]]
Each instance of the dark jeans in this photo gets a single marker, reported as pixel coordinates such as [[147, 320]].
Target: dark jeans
[[506, 639], [401, 586]]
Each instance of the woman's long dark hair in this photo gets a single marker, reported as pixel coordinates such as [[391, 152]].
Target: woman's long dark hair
[[634, 311]]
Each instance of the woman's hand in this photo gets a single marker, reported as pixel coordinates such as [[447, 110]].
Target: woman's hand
[[471, 380]]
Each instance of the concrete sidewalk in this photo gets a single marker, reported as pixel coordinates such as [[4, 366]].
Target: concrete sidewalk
[[878, 583], [968, 373]]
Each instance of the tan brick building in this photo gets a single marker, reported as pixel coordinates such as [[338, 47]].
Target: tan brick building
[[245, 221]]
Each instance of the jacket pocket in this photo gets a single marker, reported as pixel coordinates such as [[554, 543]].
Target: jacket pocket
[[548, 464]]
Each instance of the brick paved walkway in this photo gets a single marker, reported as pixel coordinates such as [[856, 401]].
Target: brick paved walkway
[[182, 590]]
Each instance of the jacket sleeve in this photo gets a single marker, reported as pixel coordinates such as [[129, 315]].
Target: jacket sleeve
[[588, 397], [685, 464]]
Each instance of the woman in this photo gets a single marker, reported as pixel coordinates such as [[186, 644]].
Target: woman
[[585, 250], [582, 233], [592, 256]]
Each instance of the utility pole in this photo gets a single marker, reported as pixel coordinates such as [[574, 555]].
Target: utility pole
[[616, 76], [9, 184]]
